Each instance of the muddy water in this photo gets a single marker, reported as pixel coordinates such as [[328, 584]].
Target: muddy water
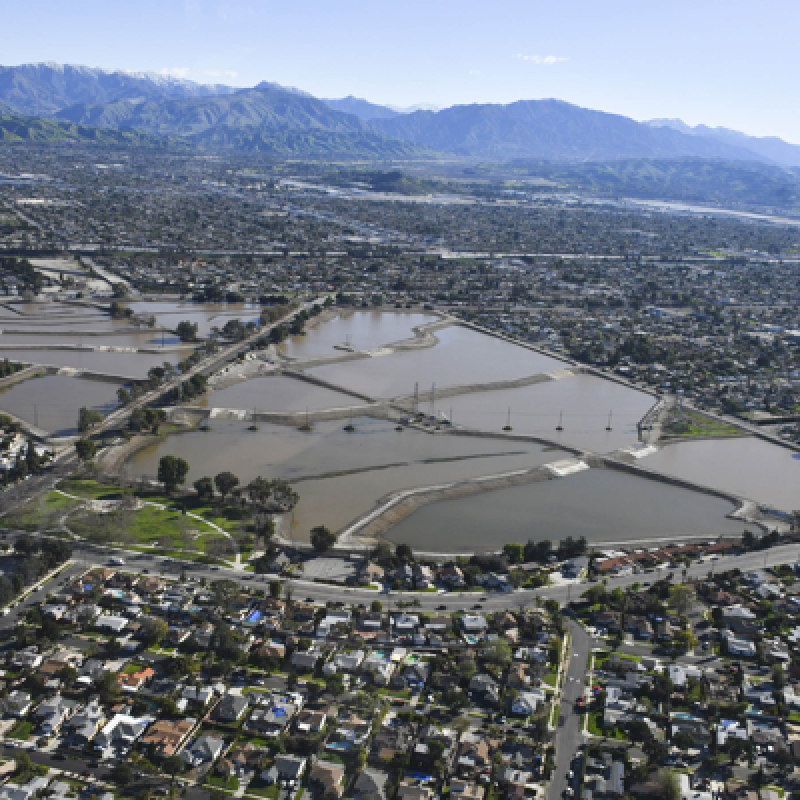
[[278, 393], [461, 357], [749, 467], [580, 402], [282, 452], [145, 338], [363, 330], [53, 401], [204, 315], [600, 504], [126, 365]]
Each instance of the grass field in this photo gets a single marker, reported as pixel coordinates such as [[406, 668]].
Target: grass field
[[688, 424], [41, 513], [21, 729]]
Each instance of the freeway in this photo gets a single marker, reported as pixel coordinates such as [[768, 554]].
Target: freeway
[[87, 555]]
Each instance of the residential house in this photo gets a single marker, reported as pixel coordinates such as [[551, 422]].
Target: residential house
[[370, 784], [84, 725], [230, 708], [390, 742], [167, 736], [639, 627], [290, 768], [53, 712], [452, 576], [306, 661], [18, 703], [327, 778], [308, 721], [133, 681], [465, 790], [370, 573], [123, 730], [526, 703], [423, 577], [204, 750], [274, 720], [353, 729], [473, 623]]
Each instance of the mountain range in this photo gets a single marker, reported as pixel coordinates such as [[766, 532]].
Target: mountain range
[[273, 119]]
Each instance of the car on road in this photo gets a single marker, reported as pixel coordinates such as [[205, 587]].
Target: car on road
[[441, 608], [58, 757], [477, 606]]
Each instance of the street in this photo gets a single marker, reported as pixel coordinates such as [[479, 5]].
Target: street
[[569, 736]]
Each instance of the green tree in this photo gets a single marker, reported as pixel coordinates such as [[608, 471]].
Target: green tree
[[515, 552], [498, 652], [681, 599], [153, 629], [226, 482], [86, 449], [275, 589], [88, 418], [322, 539], [172, 472], [122, 774], [669, 785], [204, 487], [404, 553], [187, 331]]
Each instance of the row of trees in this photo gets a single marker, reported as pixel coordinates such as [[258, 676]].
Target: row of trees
[[540, 551]]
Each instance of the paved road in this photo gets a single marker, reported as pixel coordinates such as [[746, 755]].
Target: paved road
[[89, 555], [569, 737]]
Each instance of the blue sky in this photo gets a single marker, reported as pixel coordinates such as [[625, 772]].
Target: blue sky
[[720, 62]]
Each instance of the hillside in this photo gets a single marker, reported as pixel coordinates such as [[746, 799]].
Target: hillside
[[45, 88], [362, 108], [548, 129], [17, 129], [688, 180]]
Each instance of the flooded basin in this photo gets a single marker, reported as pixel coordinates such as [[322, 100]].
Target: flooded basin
[[580, 403], [205, 315], [52, 402], [600, 504], [749, 467], [462, 356], [362, 330], [278, 393], [145, 338], [281, 451], [124, 365]]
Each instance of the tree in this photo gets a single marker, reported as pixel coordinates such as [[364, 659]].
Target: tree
[[334, 684], [467, 668], [226, 482], [683, 741], [153, 629], [778, 677], [681, 599], [187, 331], [204, 487], [322, 539], [376, 607], [683, 641], [275, 589], [498, 652], [172, 472], [122, 774], [515, 552], [404, 553], [86, 449], [88, 418], [669, 785]]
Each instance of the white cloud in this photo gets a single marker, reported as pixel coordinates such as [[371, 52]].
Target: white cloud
[[222, 73], [176, 72], [474, 72], [548, 61]]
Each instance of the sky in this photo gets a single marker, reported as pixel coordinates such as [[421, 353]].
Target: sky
[[733, 63]]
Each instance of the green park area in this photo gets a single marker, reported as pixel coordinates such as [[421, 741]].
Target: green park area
[[180, 526], [690, 424]]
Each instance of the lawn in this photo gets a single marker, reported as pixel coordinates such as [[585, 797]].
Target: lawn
[[221, 782], [688, 424], [550, 677], [258, 788], [406, 693], [21, 729], [41, 513]]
